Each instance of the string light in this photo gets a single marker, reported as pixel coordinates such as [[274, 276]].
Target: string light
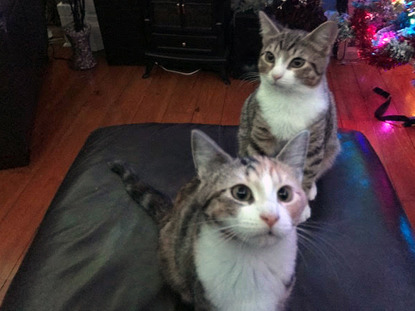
[[384, 31]]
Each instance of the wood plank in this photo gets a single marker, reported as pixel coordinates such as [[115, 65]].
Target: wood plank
[[126, 106], [235, 97], [12, 183], [156, 100], [347, 93], [58, 78], [55, 121], [211, 100], [4, 284], [411, 133], [183, 99], [402, 91], [367, 78]]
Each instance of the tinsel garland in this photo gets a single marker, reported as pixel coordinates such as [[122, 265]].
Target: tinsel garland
[[401, 51], [383, 33], [345, 31]]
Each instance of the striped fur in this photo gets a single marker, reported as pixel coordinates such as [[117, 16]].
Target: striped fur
[[213, 247], [291, 99], [156, 204]]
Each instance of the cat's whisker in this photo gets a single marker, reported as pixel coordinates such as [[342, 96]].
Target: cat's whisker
[[339, 256], [242, 83], [300, 252], [318, 228], [249, 78], [317, 247], [250, 75], [316, 238], [310, 247], [309, 239], [322, 224]]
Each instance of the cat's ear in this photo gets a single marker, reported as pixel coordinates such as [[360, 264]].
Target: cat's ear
[[324, 35], [207, 155], [294, 153], [268, 27]]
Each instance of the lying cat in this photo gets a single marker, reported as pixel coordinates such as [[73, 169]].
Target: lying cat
[[293, 95], [229, 242]]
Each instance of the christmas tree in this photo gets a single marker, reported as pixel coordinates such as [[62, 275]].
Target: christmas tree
[[296, 14], [299, 14], [384, 31]]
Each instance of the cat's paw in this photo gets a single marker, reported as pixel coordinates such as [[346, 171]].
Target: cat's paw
[[306, 214], [313, 192]]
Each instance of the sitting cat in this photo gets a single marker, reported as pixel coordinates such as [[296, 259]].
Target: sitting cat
[[229, 242], [293, 95]]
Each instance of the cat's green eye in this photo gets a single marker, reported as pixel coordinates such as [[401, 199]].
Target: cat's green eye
[[269, 57], [241, 193], [297, 62], [285, 194]]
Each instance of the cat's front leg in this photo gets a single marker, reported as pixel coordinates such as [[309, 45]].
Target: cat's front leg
[[306, 214], [312, 193]]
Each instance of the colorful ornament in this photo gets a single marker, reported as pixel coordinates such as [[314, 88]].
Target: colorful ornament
[[384, 31]]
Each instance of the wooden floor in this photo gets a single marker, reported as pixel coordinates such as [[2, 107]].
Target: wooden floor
[[72, 104]]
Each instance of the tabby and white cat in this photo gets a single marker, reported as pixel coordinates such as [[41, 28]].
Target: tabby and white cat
[[229, 242], [293, 95]]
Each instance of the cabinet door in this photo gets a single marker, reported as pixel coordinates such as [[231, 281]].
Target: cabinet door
[[122, 30], [166, 14], [197, 15]]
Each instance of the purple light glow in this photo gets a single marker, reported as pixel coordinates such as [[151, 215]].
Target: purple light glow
[[386, 127], [383, 38]]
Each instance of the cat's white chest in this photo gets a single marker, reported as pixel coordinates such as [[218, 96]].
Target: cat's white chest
[[289, 113], [240, 278]]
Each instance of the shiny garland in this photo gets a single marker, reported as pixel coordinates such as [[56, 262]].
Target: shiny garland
[[345, 30], [384, 32]]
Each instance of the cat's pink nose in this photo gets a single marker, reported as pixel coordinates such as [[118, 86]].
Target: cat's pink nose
[[270, 220], [276, 76]]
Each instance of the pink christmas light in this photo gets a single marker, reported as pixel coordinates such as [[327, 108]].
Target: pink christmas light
[[383, 38], [386, 127]]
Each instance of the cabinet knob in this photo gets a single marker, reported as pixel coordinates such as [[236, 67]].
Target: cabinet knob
[[184, 44]]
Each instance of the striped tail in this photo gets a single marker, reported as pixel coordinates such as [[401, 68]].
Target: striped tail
[[155, 203]]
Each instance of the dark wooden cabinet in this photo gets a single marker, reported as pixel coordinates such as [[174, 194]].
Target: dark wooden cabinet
[[183, 15], [188, 33], [246, 45], [122, 28], [23, 59]]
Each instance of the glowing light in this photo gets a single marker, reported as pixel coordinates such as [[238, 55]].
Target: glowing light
[[407, 233], [412, 21], [386, 127], [383, 38], [368, 16]]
